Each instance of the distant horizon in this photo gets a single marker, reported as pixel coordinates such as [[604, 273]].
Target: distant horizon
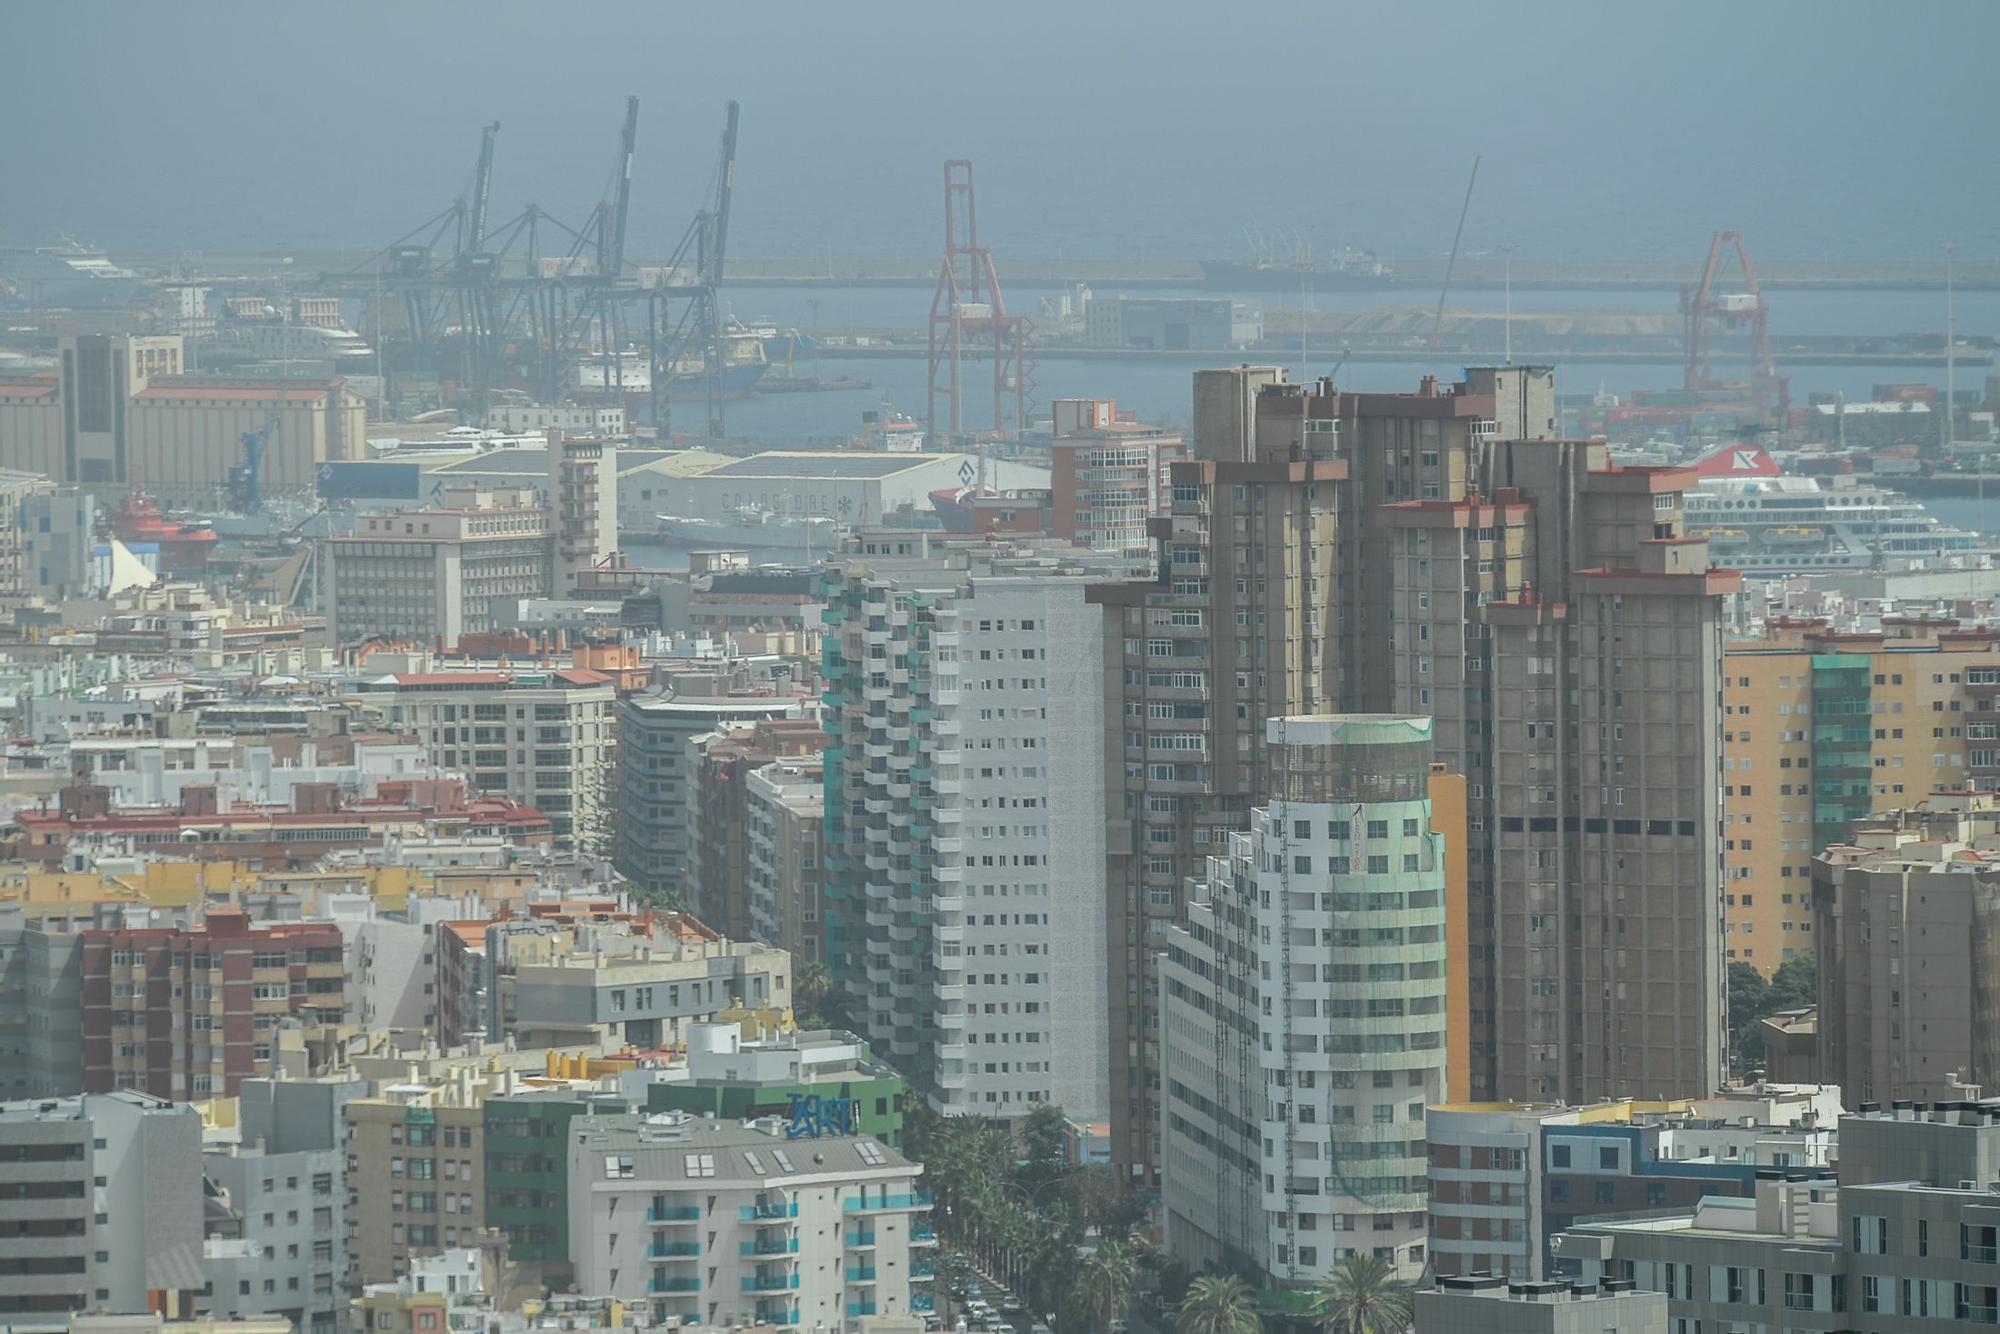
[[1819, 130]]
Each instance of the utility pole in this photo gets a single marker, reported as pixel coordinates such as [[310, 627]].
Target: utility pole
[[1950, 434]]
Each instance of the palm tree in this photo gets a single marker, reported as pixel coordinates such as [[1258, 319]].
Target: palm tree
[[1363, 1296], [1218, 1304], [1104, 1286]]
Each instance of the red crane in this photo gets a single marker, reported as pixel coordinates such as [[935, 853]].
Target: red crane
[[969, 319], [1702, 304]]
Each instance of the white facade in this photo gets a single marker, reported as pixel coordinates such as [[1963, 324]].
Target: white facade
[[994, 730], [1031, 668], [543, 738], [153, 771], [1303, 1013], [290, 1259], [728, 1223]]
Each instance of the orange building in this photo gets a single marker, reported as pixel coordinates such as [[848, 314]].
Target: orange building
[[1821, 727]]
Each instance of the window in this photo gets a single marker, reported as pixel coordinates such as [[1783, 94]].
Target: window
[[619, 1167], [1559, 1155], [1871, 1293], [1977, 1303], [1798, 1292]]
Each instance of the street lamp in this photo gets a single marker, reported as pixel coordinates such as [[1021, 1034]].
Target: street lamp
[[1950, 352]]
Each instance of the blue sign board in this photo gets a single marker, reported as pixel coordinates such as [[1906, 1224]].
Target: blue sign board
[[367, 479]]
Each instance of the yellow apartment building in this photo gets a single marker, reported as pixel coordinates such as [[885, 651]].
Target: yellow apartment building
[[1822, 726]]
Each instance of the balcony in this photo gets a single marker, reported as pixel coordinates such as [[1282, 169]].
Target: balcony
[[923, 1234], [861, 1240], [674, 1213], [923, 1269], [922, 1301], [772, 1209], [770, 1283], [674, 1250], [861, 1274], [857, 1309], [884, 1203], [674, 1285], [770, 1246]]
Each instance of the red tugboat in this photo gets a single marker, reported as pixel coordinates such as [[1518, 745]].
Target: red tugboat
[[183, 549]]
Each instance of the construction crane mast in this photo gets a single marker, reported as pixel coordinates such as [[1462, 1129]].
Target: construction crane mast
[[968, 312], [1702, 306]]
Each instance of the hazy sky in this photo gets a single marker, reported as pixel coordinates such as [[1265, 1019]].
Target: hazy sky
[[1608, 128]]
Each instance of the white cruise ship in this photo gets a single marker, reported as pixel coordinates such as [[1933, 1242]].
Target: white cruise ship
[[1760, 520]]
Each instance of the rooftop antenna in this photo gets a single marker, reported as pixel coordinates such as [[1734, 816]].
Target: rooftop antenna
[[1437, 325]]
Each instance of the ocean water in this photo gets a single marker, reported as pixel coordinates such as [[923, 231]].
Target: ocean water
[[1163, 393], [1969, 512]]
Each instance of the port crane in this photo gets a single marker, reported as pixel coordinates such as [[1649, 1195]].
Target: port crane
[[533, 294], [693, 276], [1703, 306], [246, 479], [968, 312]]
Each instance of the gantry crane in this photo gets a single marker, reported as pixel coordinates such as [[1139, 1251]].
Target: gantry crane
[[558, 294], [694, 276], [1702, 303], [967, 312]]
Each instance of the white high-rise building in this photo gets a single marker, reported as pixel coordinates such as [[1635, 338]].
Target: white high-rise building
[[965, 824], [1303, 1007]]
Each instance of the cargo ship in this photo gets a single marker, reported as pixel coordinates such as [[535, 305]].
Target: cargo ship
[[184, 548], [1350, 270], [743, 365], [65, 276]]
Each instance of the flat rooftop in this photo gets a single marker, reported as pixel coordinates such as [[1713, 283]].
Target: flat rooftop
[[848, 466], [740, 1151]]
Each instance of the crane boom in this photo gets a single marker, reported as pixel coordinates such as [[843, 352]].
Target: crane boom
[[724, 186], [614, 251], [482, 190]]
